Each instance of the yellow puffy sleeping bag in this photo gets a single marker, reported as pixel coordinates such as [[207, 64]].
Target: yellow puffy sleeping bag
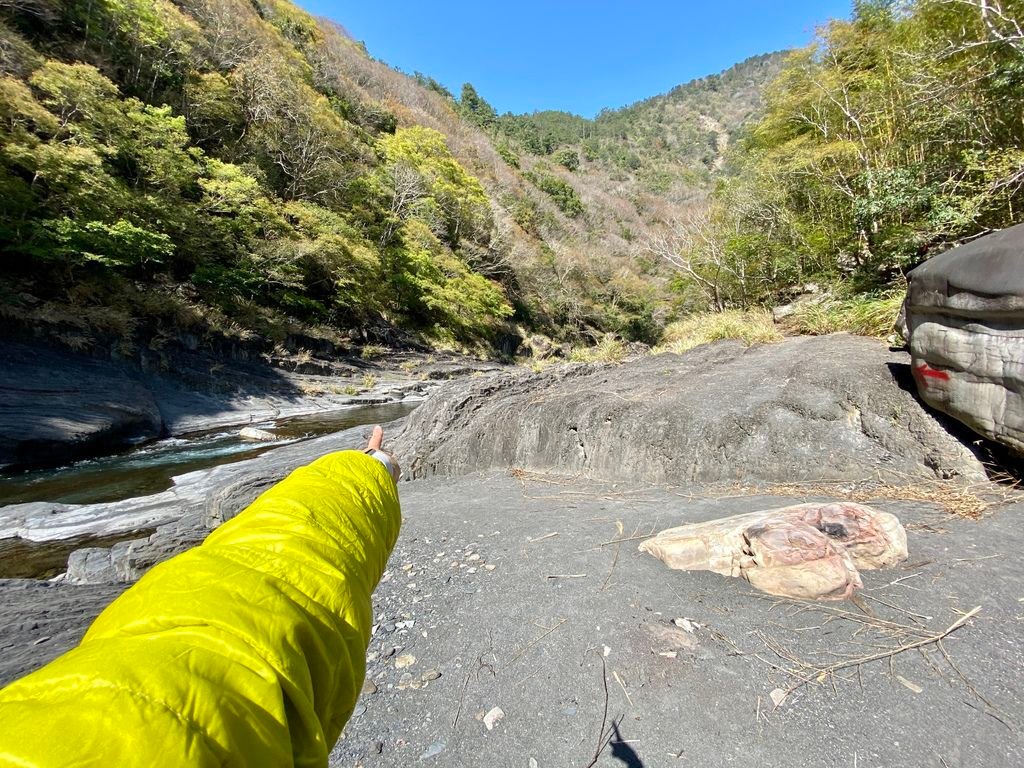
[[248, 650]]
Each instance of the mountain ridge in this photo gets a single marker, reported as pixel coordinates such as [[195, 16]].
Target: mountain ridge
[[266, 179]]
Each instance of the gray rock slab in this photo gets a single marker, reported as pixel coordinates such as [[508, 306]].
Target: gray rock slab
[[807, 409], [55, 406]]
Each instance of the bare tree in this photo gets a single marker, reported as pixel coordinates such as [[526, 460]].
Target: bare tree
[[695, 248], [407, 188], [1001, 27]]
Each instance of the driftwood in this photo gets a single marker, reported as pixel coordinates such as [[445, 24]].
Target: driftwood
[[806, 551]]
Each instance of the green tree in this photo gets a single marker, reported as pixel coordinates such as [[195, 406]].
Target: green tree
[[568, 158], [475, 108], [427, 182]]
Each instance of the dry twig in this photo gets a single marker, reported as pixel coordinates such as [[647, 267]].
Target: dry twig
[[533, 642], [810, 672]]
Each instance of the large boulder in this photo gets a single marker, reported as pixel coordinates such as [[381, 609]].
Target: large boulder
[[807, 409], [964, 317], [57, 406]]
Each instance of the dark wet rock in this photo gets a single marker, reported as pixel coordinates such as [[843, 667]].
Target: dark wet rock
[[806, 409], [56, 406]]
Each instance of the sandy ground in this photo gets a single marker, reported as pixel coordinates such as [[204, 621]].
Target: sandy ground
[[504, 593], [560, 616]]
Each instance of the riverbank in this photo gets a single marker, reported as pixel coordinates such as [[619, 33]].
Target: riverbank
[[504, 592], [516, 607], [178, 517], [57, 406]]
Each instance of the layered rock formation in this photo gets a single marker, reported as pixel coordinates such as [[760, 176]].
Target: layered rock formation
[[807, 409], [964, 318], [55, 406]]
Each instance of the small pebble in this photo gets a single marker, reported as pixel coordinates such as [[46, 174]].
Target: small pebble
[[433, 750], [430, 674], [405, 660], [492, 718], [490, 567], [369, 687]]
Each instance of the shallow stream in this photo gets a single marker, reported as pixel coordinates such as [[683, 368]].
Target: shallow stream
[[149, 468]]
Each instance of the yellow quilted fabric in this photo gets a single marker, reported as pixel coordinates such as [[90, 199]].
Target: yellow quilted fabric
[[248, 650]]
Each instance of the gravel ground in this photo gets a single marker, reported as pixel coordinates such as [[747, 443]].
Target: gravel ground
[[501, 595], [503, 605]]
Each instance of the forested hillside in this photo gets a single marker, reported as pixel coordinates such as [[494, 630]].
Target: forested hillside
[[236, 171], [224, 172], [895, 135], [669, 145]]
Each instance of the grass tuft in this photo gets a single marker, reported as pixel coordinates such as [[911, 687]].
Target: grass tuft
[[609, 350], [751, 327], [871, 315]]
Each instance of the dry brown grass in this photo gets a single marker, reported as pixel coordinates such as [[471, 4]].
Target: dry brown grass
[[967, 501], [749, 327]]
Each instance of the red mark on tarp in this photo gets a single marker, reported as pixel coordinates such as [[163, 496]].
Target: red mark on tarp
[[925, 370]]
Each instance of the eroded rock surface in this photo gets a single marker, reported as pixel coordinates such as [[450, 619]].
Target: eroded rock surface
[[807, 409], [805, 551], [55, 406], [965, 325]]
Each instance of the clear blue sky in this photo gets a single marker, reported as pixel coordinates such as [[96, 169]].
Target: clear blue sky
[[576, 55]]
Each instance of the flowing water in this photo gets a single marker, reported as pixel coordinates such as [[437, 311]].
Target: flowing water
[[149, 468]]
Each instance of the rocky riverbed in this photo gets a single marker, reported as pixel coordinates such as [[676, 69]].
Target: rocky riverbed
[[515, 604], [57, 406], [504, 593]]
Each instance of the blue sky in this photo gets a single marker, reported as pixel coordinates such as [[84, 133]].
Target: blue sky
[[573, 54]]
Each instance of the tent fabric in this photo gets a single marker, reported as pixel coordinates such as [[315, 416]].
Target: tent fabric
[[248, 650]]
